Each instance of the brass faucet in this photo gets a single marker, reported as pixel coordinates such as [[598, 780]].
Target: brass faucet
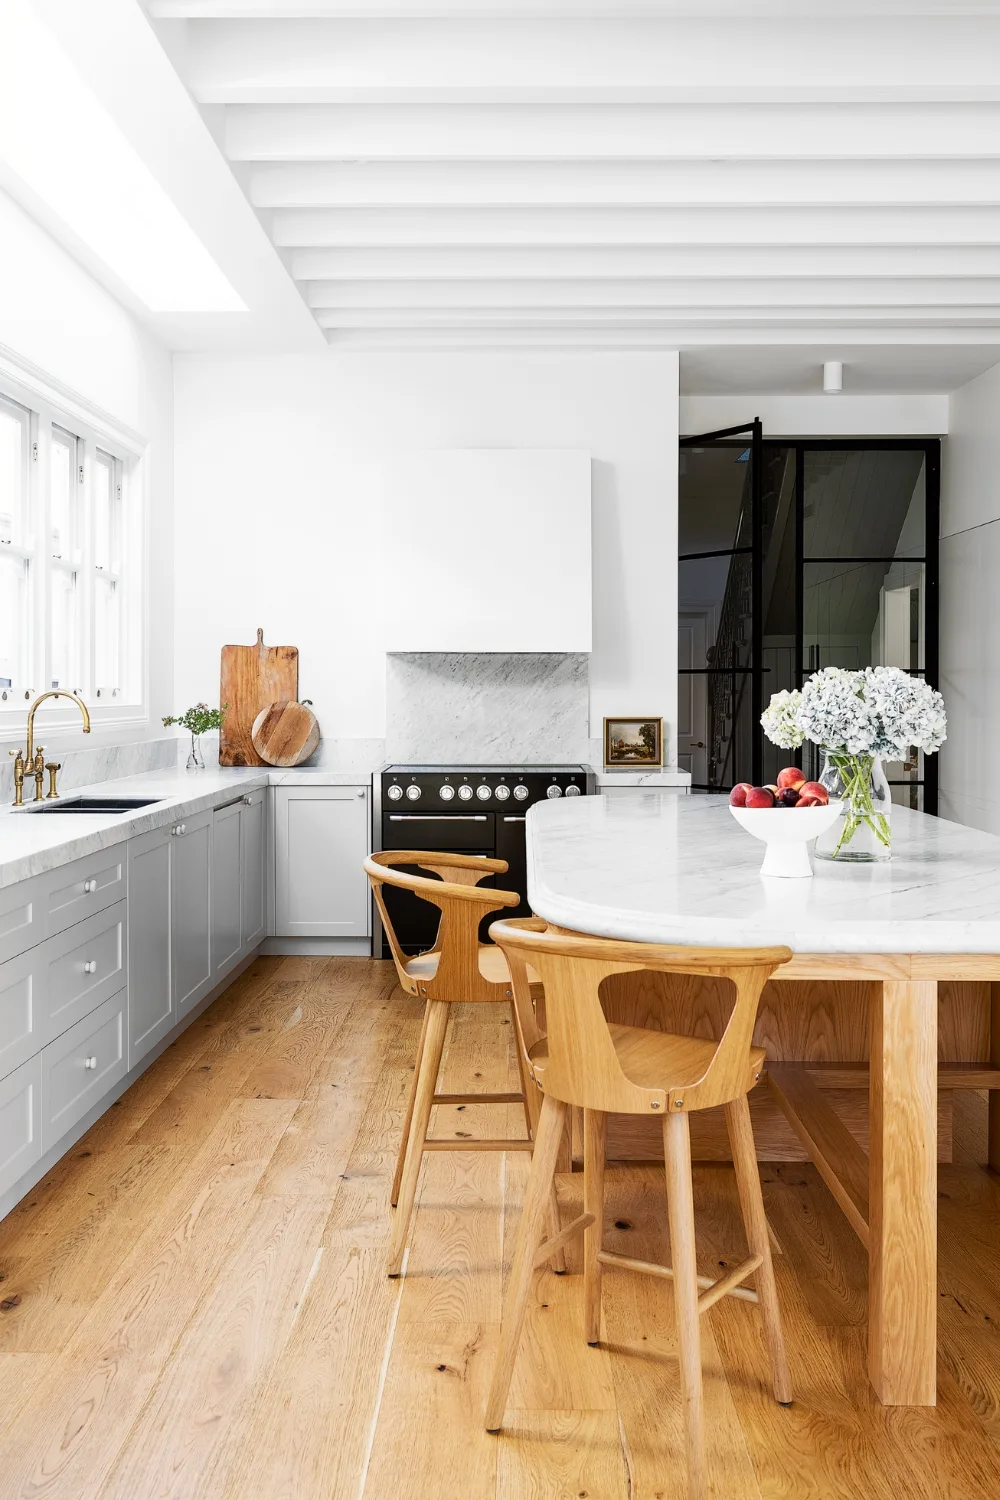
[[31, 762]]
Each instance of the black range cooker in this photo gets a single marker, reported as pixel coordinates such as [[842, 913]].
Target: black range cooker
[[477, 810]]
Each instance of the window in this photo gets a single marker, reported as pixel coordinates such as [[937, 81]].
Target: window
[[70, 571]]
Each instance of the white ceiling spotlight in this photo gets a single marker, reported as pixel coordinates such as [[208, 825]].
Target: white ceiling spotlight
[[833, 377]]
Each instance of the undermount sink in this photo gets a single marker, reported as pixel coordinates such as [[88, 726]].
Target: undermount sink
[[95, 806]]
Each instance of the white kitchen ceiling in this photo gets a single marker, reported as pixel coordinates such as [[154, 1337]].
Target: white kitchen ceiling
[[647, 174]]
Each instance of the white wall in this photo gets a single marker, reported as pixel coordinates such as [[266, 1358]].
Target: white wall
[[909, 414], [970, 603], [55, 318], [268, 532]]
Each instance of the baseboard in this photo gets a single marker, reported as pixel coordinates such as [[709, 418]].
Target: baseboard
[[305, 947]]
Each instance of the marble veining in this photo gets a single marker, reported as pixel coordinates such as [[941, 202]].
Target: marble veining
[[656, 867], [488, 708], [85, 762]]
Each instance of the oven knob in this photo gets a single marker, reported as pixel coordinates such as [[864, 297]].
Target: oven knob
[[502, 792], [483, 793], [394, 792], [413, 793], [446, 792], [521, 792], [553, 791], [465, 792], [572, 791]]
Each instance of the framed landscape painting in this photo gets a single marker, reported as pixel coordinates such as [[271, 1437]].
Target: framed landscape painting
[[630, 744]]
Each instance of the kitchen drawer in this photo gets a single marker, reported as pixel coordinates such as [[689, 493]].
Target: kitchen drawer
[[20, 1122], [84, 966], [21, 1007], [87, 885], [22, 914], [81, 1066]]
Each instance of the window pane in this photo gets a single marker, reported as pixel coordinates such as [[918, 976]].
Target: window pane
[[105, 513], [65, 629], [714, 497], [106, 627], [64, 493], [863, 503], [14, 433], [13, 621], [863, 614]]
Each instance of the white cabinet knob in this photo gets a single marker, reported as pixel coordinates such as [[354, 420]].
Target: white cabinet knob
[[362, 792], [90, 1062], [248, 801], [184, 828], [178, 829], [89, 887], [90, 967]]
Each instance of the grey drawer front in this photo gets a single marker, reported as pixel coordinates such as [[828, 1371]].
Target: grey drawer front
[[87, 885], [20, 1011], [20, 1122], [22, 913], [85, 965], [82, 1065]]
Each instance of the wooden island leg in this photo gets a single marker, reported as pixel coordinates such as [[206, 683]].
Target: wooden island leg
[[902, 1285], [994, 1126]]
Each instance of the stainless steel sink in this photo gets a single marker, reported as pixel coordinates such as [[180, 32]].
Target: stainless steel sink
[[96, 806]]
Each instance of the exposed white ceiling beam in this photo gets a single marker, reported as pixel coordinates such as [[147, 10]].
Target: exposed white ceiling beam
[[629, 292], [331, 132], [332, 61], [644, 317], [558, 9], [627, 184], [302, 228], [465, 263]]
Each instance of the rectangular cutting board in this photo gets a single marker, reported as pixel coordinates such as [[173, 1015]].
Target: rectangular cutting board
[[252, 677]]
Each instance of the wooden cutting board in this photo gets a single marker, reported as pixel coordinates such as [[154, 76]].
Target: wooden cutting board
[[252, 677], [285, 734]]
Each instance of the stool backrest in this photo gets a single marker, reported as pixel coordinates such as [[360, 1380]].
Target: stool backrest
[[455, 975], [582, 1066]]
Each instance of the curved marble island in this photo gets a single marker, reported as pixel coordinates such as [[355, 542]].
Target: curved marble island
[[892, 995]]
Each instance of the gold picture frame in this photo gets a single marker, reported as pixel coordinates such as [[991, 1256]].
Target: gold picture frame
[[633, 743]]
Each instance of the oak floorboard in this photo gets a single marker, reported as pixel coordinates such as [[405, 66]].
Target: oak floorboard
[[552, 1455]]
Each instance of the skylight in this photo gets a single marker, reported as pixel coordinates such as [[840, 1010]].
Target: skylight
[[62, 145]]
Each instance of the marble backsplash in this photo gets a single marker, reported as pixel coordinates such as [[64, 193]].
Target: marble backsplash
[[491, 708], [84, 763]]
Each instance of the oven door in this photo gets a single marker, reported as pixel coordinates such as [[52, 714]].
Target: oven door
[[415, 922]]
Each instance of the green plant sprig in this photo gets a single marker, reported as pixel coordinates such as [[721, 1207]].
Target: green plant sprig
[[200, 719]]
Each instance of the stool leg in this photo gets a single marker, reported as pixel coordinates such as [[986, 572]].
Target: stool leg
[[752, 1204], [680, 1215], [593, 1203], [423, 1099], [527, 1086], [408, 1121], [529, 1234], [533, 1104]]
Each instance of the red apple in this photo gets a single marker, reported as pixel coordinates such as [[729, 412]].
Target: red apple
[[738, 795], [791, 776], [813, 795], [760, 796]]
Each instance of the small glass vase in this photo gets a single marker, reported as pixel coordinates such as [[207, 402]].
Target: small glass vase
[[195, 760], [862, 834]]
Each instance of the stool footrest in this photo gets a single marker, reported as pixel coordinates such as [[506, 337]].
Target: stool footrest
[[651, 1268], [474, 1145], [548, 1247], [729, 1285], [478, 1098]]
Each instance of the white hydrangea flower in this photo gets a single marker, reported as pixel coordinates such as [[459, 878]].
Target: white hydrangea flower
[[780, 720]]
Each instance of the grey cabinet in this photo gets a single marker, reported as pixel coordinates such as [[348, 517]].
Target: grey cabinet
[[253, 886], [150, 986], [226, 888], [81, 1065], [191, 910], [321, 837], [20, 1121]]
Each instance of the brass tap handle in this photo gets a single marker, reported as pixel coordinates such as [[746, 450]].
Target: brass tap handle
[[38, 771], [52, 766], [18, 777]]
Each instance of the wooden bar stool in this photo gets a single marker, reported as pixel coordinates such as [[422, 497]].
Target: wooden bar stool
[[457, 969], [605, 1068]]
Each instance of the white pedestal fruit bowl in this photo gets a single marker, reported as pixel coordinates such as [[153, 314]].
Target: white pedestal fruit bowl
[[787, 832]]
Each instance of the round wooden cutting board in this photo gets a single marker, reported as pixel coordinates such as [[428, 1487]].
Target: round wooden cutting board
[[285, 734]]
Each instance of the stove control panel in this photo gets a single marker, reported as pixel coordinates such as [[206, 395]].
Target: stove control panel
[[480, 791], [521, 792]]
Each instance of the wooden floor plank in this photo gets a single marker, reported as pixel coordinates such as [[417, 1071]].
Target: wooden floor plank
[[551, 1455]]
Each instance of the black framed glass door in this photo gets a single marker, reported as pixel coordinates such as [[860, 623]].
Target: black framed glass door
[[795, 556]]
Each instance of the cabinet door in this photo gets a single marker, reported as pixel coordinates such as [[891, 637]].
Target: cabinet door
[[225, 888], [252, 867], [81, 1065], [190, 908], [150, 988], [321, 839], [20, 1121]]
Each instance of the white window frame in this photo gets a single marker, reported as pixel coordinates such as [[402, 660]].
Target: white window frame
[[52, 405]]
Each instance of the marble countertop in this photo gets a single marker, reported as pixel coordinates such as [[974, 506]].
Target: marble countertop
[[667, 869], [30, 844]]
